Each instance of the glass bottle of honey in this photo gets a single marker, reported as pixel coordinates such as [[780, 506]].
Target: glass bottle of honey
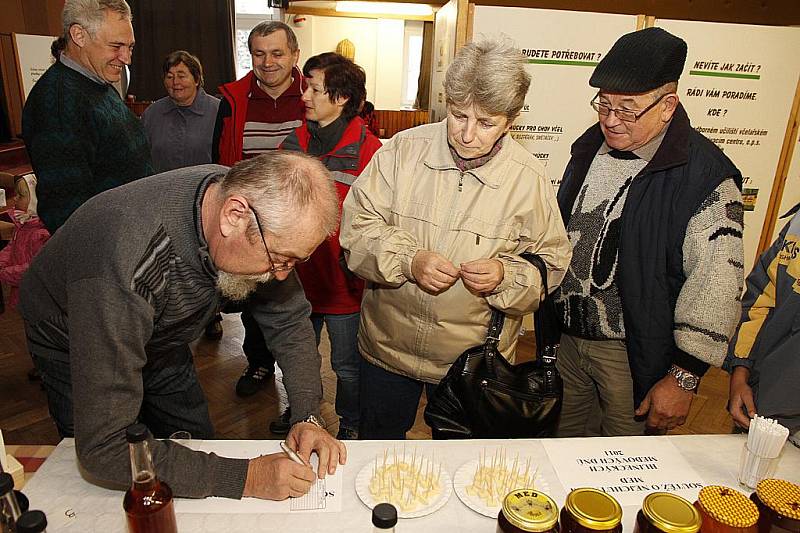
[[527, 511], [778, 503], [589, 510], [667, 513], [725, 510], [148, 503]]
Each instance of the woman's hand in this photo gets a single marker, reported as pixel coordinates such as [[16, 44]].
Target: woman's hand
[[433, 272], [482, 276]]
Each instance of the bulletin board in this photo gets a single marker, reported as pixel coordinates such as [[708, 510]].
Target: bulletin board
[[738, 87], [562, 49], [33, 59]]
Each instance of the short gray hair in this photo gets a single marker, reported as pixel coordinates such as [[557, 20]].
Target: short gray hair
[[287, 188], [91, 13], [269, 27], [489, 74]]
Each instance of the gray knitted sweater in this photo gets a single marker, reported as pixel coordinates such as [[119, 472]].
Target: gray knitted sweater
[[123, 284], [589, 300]]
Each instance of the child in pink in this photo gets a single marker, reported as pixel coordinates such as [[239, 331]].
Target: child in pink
[[29, 237]]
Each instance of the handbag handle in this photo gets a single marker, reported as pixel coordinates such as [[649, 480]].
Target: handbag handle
[[547, 336], [545, 320]]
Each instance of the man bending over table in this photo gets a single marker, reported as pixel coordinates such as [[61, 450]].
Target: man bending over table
[[112, 302]]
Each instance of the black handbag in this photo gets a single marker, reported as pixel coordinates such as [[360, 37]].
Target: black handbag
[[485, 396]]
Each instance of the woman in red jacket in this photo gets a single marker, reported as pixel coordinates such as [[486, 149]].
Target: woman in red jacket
[[335, 134]]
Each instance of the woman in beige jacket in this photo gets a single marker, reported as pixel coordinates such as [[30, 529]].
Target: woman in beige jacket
[[435, 224]]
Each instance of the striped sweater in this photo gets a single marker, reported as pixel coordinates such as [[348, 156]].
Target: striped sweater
[[127, 283]]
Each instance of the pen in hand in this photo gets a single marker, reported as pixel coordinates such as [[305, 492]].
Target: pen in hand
[[291, 454]]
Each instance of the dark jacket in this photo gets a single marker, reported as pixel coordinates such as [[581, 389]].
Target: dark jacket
[[662, 199]]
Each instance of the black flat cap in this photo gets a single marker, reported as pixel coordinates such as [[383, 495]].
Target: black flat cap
[[640, 61]]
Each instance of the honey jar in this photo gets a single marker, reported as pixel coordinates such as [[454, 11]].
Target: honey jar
[[667, 513], [589, 510], [778, 503], [725, 510], [527, 510]]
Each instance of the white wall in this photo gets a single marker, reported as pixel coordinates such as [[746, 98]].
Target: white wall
[[379, 51]]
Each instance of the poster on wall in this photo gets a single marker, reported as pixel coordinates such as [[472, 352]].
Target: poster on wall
[[33, 58], [737, 87], [791, 190], [562, 48]]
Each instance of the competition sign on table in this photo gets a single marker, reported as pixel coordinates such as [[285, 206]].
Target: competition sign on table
[[562, 48], [737, 87], [627, 468]]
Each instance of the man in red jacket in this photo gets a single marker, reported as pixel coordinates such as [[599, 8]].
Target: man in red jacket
[[255, 114]]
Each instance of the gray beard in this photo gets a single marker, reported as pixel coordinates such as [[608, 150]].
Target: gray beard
[[237, 287]]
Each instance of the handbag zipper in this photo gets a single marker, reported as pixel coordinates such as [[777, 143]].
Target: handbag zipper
[[502, 387]]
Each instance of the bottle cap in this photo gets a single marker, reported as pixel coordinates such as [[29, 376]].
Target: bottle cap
[[781, 496], [727, 506], [530, 510], [384, 516], [31, 522], [6, 483], [22, 501], [671, 513], [137, 433], [593, 509]]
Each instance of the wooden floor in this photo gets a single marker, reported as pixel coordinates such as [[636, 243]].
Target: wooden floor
[[24, 418]]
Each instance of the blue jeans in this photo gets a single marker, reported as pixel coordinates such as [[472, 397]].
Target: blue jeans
[[389, 403], [173, 399], [345, 358]]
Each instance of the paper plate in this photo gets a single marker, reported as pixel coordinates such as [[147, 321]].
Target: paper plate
[[365, 476], [463, 479]]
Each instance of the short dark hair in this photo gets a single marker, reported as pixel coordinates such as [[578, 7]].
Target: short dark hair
[[191, 62], [343, 78], [268, 27]]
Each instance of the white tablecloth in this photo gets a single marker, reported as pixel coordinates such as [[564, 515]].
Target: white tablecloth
[[72, 504]]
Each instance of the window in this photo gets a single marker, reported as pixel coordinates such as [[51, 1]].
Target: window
[[248, 14], [412, 56]]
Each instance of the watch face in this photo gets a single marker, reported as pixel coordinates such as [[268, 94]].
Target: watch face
[[688, 382]]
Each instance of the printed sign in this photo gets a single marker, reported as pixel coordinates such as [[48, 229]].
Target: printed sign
[[627, 468]]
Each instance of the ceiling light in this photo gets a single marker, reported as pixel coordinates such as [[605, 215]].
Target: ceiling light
[[384, 8]]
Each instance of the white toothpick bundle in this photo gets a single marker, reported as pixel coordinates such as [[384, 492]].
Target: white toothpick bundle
[[765, 440]]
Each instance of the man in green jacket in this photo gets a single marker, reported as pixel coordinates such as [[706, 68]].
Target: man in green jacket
[[81, 138]]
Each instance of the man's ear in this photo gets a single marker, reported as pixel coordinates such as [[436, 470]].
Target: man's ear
[[670, 105], [235, 215], [78, 34]]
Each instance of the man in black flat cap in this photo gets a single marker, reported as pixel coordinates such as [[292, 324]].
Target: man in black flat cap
[[654, 214]]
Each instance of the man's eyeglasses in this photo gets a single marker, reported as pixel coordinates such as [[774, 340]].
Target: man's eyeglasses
[[275, 266], [624, 115]]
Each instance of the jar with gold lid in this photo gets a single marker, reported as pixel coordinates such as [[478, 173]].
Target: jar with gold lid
[[667, 513], [527, 510], [725, 510], [590, 510], [778, 502]]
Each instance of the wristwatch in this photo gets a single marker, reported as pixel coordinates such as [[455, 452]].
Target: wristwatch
[[686, 380], [311, 419]]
